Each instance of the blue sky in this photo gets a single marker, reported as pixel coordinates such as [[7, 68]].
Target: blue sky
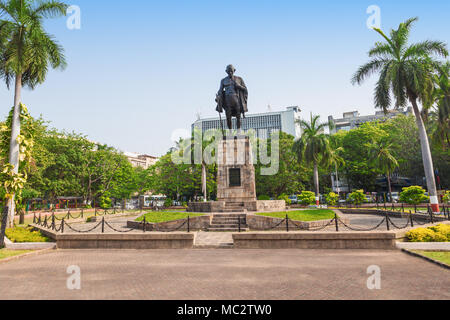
[[138, 70]]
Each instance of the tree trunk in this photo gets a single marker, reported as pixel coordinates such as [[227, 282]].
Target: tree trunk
[[204, 189], [390, 186], [427, 158], [14, 145], [316, 183]]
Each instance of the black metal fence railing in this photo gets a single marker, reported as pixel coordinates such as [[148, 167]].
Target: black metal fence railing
[[397, 207], [50, 222]]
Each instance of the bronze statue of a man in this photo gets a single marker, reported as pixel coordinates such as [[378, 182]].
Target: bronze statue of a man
[[232, 97]]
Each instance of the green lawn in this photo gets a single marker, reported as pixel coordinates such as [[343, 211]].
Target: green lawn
[[302, 215], [25, 234], [439, 256], [164, 216], [4, 253]]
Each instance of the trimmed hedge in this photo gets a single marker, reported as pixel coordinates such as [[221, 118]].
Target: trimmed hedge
[[440, 233], [23, 235]]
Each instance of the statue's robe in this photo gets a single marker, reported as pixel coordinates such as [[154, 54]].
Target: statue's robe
[[242, 94]]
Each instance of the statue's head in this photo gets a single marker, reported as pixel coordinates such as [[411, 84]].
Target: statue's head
[[231, 70]]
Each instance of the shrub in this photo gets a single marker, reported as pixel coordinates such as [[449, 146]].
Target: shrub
[[263, 198], [22, 235], [286, 199], [332, 199], [105, 202], [440, 233], [307, 198], [413, 195], [184, 204], [446, 198], [168, 203], [357, 197]]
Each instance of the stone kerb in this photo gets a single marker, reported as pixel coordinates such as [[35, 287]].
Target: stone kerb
[[417, 216], [195, 224], [316, 240], [258, 223]]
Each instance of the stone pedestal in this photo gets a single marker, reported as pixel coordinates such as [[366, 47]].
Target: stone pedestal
[[236, 173], [236, 187]]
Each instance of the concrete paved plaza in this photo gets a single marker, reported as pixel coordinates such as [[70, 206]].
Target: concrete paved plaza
[[223, 274]]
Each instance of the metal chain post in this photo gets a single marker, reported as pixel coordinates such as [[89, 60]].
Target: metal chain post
[[387, 222], [336, 219]]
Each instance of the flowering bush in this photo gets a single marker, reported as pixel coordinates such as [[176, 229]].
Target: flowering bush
[[332, 199], [357, 197], [307, 198], [440, 233]]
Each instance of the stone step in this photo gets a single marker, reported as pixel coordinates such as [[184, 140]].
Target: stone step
[[233, 210], [242, 221], [212, 246], [230, 218], [223, 215], [228, 225], [227, 229]]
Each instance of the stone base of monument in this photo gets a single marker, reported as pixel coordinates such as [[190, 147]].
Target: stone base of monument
[[236, 187], [235, 207]]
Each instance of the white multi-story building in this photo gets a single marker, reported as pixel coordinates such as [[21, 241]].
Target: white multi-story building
[[141, 160], [263, 123], [352, 120]]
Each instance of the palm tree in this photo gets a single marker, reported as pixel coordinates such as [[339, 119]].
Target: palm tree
[[313, 147], [407, 72], [26, 53], [381, 153], [440, 115]]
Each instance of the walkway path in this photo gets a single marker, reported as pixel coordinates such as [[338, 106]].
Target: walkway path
[[214, 240], [223, 274]]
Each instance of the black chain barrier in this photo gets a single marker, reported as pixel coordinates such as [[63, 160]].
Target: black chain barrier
[[360, 229], [274, 227], [83, 231], [175, 229], [397, 227], [300, 227], [117, 230]]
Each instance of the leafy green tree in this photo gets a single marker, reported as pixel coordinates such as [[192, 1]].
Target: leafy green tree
[[440, 114], [407, 72], [26, 53], [359, 172], [413, 195], [313, 147], [13, 181], [381, 155], [291, 176]]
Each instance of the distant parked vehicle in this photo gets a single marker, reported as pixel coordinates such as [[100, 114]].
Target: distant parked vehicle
[[395, 197], [294, 199]]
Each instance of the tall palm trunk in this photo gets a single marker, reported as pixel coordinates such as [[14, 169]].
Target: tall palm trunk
[[316, 183], [204, 189], [14, 145], [390, 186], [426, 156]]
